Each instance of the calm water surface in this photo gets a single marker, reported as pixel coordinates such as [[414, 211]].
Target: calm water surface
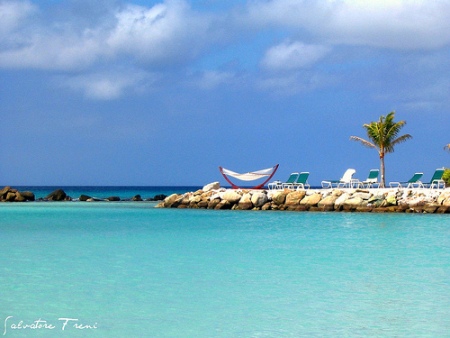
[[130, 270]]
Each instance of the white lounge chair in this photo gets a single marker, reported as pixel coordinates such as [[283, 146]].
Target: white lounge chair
[[345, 181]]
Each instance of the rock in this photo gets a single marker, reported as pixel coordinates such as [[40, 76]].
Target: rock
[[4, 191], [19, 197], [10, 196], [311, 200], [363, 195], [430, 208], [113, 198], [57, 195], [376, 200], [266, 206], [328, 202], [245, 203], [84, 198], [203, 204], [224, 204], [340, 201], [259, 199], [295, 197], [194, 199], [444, 199], [171, 201], [231, 196], [391, 199], [279, 197], [213, 203], [353, 203], [136, 198], [211, 186], [28, 195]]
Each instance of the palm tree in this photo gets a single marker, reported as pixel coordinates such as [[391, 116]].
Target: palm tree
[[383, 136]]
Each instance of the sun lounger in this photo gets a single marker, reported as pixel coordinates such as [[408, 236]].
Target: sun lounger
[[345, 181], [370, 182], [279, 185], [408, 184], [302, 181], [435, 182]]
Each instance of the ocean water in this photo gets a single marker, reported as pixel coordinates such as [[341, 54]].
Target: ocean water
[[127, 269], [102, 192]]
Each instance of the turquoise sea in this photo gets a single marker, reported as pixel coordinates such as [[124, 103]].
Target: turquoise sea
[[127, 269]]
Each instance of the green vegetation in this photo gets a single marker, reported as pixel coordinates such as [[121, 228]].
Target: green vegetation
[[383, 136], [446, 177]]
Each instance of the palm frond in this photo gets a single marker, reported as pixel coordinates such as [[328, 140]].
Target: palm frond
[[363, 141], [401, 139]]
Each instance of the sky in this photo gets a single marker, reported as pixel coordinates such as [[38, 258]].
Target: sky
[[164, 92]]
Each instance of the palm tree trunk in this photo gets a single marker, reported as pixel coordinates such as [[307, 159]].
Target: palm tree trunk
[[383, 182]]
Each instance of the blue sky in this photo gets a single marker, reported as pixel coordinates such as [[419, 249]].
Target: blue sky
[[162, 93]]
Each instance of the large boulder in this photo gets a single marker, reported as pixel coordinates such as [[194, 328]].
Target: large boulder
[[295, 197], [57, 195], [245, 203], [4, 191], [353, 203], [328, 202], [376, 200], [84, 198], [113, 198], [172, 201], [28, 195], [19, 197], [311, 200], [259, 199], [231, 196], [279, 197], [211, 186]]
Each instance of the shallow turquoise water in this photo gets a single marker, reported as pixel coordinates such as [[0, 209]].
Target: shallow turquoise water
[[130, 270]]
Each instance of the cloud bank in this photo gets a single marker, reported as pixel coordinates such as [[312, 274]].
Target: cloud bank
[[171, 36]]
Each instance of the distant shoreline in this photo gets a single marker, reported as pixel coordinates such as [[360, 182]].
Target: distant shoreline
[[407, 200]]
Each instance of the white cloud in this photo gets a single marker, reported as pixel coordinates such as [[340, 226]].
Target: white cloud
[[166, 33], [12, 13], [293, 55], [110, 85], [213, 79], [397, 24], [53, 51]]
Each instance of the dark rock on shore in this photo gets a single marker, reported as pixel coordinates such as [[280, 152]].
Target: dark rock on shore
[[113, 199], [84, 198], [8, 194], [159, 197], [58, 195], [137, 198]]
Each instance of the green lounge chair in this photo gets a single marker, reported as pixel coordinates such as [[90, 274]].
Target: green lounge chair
[[279, 185], [345, 181], [436, 180], [371, 180], [302, 181], [409, 184]]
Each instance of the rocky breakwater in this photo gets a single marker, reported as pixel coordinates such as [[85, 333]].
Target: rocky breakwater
[[8, 194], [355, 200]]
